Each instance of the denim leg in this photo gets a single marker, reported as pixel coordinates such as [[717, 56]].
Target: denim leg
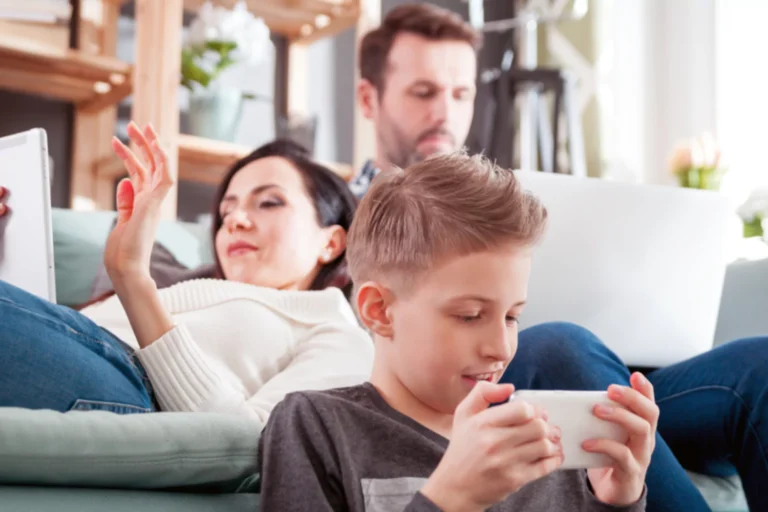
[[566, 356], [52, 357], [719, 400]]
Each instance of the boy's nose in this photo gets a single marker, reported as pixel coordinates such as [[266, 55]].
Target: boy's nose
[[498, 347]]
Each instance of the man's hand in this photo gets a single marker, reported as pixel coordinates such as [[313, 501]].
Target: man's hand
[[622, 484], [493, 451], [3, 207]]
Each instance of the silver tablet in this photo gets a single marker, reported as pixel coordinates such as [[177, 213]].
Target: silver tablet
[[26, 237]]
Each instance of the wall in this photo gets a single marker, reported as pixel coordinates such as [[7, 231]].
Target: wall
[[657, 76], [741, 107]]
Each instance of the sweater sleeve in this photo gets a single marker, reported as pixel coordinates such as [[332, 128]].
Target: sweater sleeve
[[332, 355]]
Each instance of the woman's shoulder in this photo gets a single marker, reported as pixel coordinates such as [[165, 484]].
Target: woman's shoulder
[[310, 307]]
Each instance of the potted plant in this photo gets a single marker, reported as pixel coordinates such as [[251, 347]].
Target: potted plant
[[754, 213], [697, 163], [217, 39]]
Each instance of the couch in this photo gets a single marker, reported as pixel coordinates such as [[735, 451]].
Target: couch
[[201, 462]]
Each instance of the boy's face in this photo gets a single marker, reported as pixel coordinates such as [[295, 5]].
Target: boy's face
[[458, 325]]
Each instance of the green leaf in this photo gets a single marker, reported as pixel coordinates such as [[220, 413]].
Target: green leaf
[[191, 72]]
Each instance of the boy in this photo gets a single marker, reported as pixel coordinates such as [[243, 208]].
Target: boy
[[441, 256]]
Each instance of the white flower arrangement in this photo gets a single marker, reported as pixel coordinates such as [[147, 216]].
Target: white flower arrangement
[[697, 162], [219, 38], [754, 212]]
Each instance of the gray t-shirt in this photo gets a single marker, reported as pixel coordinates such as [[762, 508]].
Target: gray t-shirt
[[347, 449]]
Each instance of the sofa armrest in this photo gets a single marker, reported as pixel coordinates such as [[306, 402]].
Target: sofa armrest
[[215, 452]]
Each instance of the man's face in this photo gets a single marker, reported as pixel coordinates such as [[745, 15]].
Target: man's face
[[427, 101]]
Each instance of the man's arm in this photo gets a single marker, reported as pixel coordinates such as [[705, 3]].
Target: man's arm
[[298, 461]]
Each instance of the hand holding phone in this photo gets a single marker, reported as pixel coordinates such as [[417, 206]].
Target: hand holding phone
[[493, 451], [573, 413]]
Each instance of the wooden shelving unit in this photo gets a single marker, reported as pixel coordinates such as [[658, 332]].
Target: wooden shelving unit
[[204, 161], [39, 67], [299, 20]]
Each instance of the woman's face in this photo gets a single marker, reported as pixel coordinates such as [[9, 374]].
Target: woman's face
[[270, 235]]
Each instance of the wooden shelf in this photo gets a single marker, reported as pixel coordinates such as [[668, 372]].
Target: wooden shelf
[[205, 161], [37, 67], [298, 20]]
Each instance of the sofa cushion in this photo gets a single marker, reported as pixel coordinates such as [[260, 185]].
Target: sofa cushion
[[216, 452], [78, 248], [60, 499]]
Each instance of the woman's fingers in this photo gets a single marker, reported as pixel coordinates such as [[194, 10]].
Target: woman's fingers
[[135, 170], [160, 156], [141, 143], [125, 197]]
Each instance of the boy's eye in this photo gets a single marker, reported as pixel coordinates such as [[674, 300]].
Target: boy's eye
[[512, 319], [469, 318]]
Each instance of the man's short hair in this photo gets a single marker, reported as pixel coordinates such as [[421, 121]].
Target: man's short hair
[[445, 206], [426, 20]]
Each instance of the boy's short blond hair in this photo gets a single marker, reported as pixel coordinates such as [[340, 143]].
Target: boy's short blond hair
[[445, 206]]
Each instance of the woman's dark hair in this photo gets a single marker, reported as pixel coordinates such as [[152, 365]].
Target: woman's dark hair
[[333, 201]]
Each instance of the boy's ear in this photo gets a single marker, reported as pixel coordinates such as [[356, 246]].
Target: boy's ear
[[373, 306]]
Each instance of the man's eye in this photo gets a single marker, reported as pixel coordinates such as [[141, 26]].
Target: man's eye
[[468, 318], [512, 319]]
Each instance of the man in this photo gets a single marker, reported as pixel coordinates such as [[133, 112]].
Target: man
[[417, 85], [418, 75]]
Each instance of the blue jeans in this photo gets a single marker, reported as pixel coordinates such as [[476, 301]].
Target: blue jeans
[[52, 357], [714, 407]]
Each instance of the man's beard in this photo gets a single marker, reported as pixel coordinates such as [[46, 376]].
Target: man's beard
[[402, 153]]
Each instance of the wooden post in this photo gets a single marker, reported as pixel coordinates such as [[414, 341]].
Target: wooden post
[[93, 131], [156, 77], [365, 136], [298, 80]]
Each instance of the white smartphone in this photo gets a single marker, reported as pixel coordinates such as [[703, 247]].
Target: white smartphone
[[573, 412]]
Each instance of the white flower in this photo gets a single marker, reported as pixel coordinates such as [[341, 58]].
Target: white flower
[[238, 25], [755, 205]]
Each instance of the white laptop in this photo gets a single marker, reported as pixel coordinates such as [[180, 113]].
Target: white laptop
[[26, 238], [641, 266]]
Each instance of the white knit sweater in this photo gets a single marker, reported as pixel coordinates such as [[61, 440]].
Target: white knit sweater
[[241, 348]]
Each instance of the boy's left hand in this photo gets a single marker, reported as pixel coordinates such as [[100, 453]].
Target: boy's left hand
[[622, 484]]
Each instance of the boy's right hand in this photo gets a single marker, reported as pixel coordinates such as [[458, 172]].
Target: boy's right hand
[[493, 451]]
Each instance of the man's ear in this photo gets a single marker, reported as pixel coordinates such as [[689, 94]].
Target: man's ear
[[367, 98], [373, 306]]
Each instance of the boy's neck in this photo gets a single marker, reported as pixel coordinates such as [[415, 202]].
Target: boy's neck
[[400, 398]]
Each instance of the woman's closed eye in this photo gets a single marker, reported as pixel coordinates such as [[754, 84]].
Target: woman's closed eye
[[271, 203]]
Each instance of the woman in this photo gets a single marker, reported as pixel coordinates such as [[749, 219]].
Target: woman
[[277, 322]]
